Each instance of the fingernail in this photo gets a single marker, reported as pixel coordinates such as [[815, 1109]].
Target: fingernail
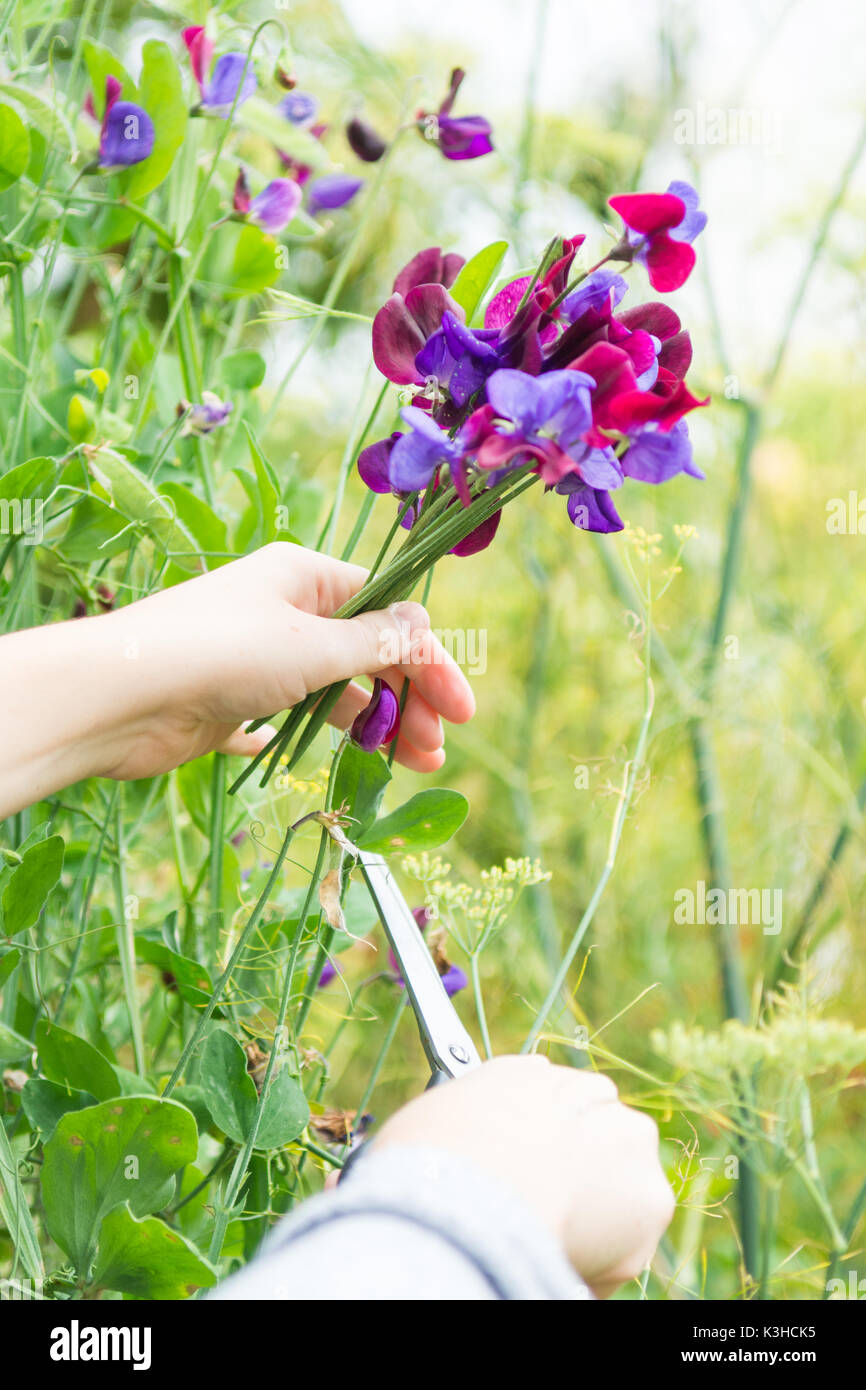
[[409, 617]]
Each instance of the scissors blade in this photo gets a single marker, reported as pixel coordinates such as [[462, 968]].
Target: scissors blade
[[449, 1048]]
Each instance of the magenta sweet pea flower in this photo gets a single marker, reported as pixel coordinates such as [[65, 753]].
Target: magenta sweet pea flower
[[273, 208], [232, 80], [379, 721], [660, 230], [549, 418], [332, 191], [458, 137], [126, 136]]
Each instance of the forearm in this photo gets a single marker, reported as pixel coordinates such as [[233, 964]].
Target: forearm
[[410, 1224], [67, 697]]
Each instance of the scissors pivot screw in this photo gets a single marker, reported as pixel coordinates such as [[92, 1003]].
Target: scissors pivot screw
[[459, 1053]]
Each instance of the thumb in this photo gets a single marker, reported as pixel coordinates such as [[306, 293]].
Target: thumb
[[366, 644]]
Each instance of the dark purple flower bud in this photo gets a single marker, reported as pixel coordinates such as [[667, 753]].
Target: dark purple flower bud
[[286, 80], [330, 971], [241, 197], [379, 722], [374, 463], [453, 980], [332, 191], [458, 137], [364, 141], [301, 108]]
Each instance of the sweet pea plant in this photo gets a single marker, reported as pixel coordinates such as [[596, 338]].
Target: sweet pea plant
[[197, 1009]]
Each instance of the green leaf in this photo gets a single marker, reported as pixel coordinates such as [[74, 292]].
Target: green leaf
[[243, 370], [15, 1212], [102, 63], [126, 1150], [231, 1097], [191, 979], [45, 1103], [147, 1259], [74, 1062], [43, 114], [200, 520], [30, 884], [8, 962], [424, 821], [136, 497], [14, 147], [254, 266], [477, 276], [359, 785], [13, 1047], [263, 118], [162, 98], [94, 531], [35, 478]]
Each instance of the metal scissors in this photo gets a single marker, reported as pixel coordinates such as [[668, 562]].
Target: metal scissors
[[448, 1046]]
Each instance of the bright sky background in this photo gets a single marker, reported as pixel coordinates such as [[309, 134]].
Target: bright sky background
[[802, 64]]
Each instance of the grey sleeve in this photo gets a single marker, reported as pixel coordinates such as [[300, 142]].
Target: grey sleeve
[[409, 1224]]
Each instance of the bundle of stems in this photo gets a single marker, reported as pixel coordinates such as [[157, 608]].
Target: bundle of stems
[[443, 522]]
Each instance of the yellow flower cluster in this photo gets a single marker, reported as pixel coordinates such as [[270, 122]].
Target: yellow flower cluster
[[795, 1043]]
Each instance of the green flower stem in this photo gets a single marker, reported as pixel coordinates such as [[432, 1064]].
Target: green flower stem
[[338, 279], [239, 1172], [623, 804], [240, 946], [216, 840], [126, 938], [395, 582], [85, 906], [383, 1054], [353, 447], [479, 1003], [360, 526]]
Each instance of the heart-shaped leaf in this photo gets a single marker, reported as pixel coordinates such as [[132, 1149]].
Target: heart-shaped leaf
[[231, 1096], [147, 1259], [73, 1062], [125, 1150]]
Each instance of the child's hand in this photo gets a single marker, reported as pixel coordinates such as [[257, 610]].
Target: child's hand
[[562, 1140], [140, 690]]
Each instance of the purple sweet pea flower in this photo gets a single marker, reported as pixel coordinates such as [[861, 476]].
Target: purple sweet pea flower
[[549, 416], [206, 415], [379, 721], [590, 508], [332, 191], [458, 357], [232, 80], [695, 220], [301, 108], [330, 970], [452, 977], [602, 289], [458, 137], [273, 208], [374, 463], [655, 456], [126, 136], [417, 455]]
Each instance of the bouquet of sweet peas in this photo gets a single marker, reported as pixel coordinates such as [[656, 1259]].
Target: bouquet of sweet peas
[[550, 380]]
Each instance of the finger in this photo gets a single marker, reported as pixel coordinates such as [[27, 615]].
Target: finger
[[420, 724], [247, 745], [416, 759], [316, 583], [398, 637]]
